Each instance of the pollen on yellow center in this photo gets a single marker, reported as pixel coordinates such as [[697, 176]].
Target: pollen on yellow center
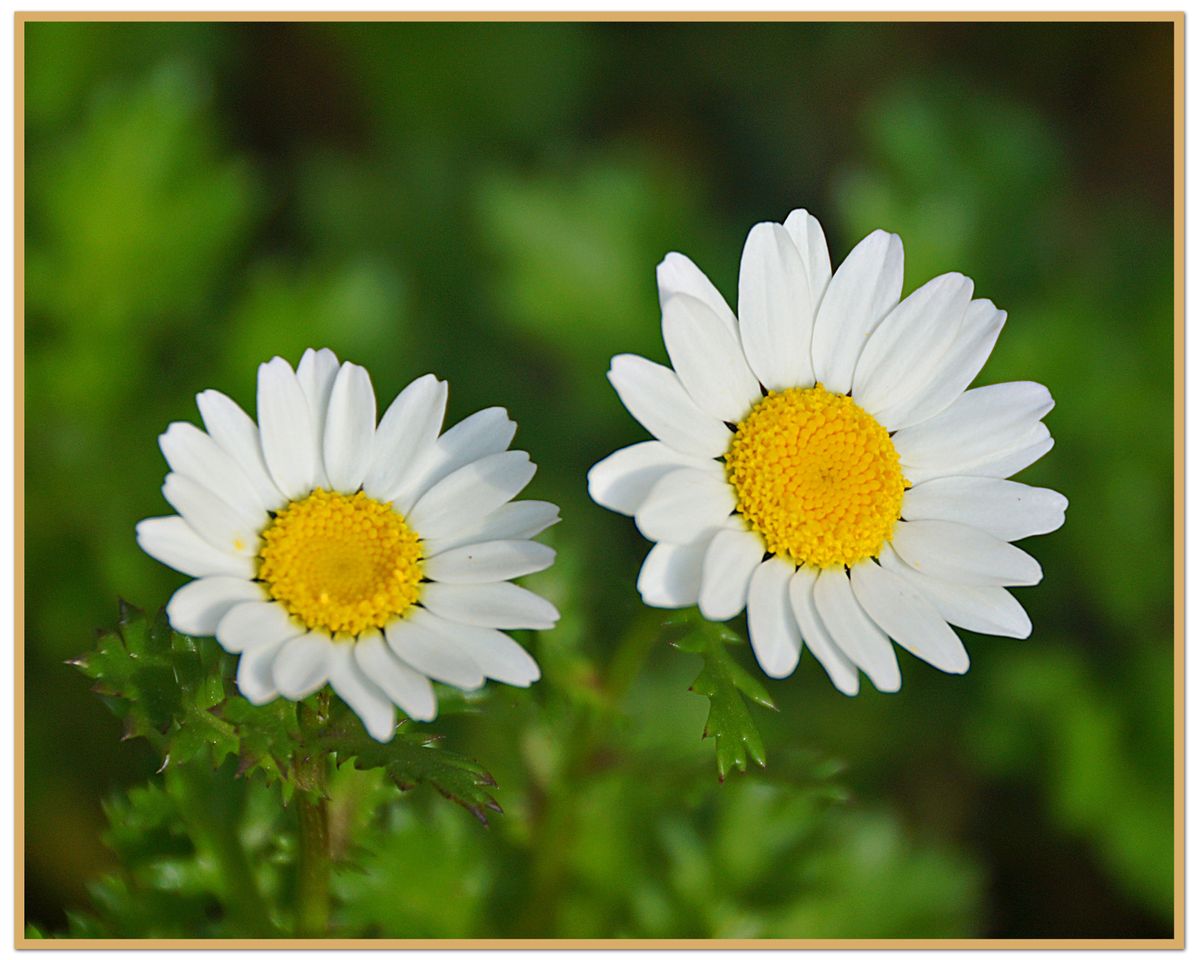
[[817, 476], [340, 562]]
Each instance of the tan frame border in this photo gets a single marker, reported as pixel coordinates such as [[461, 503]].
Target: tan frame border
[[19, 21]]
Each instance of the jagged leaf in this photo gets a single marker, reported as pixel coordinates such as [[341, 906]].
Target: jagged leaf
[[267, 737], [413, 758], [163, 684], [725, 682]]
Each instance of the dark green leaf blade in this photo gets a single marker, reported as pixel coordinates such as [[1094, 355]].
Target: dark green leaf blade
[[725, 682], [412, 758]]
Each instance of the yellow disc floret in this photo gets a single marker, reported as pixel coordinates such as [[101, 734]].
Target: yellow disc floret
[[817, 476], [341, 562]]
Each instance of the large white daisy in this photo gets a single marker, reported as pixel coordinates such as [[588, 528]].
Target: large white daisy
[[820, 462], [331, 549]]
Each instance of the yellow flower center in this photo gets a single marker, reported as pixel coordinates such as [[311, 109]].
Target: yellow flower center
[[817, 476], [341, 562]]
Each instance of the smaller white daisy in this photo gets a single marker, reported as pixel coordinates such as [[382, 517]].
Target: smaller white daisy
[[820, 462], [331, 549]]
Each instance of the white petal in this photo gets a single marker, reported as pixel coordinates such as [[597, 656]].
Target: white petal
[[349, 428], [488, 562], [670, 575], [406, 435], [1029, 449], [226, 528], [518, 520], [904, 614], [409, 690], [656, 398], [864, 288], [197, 607], [677, 274], [708, 359], [623, 480], [432, 655], [686, 505], [469, 494], [960, 554], [316, 372], [255, 622], [362, 696], [193, 453], [497, 654], [809, 238], [480, 435], [960, 364], [907, 349], [729, 562], [255, 671], [775, 309], [978, 434], [1003, 508], [502, 605], [235, 433], [983, 609], [302, 665], [286, 427], [856, 634], [171, 541], [841, 671], [774, 633]]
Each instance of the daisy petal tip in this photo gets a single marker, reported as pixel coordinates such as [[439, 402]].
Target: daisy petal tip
[[275, 365], [781, 670], [255, 697], [711, 613], [423, 715], [668, 262], [381, 732]]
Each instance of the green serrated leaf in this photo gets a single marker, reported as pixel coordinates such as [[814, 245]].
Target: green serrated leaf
[[725, 682], [163, 685], [267, 736], [412, 758]]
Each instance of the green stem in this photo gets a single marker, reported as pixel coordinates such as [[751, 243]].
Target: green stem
[[314, 864], [312, 893], [212, 833]]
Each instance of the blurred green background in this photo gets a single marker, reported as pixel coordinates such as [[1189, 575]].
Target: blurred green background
[[489, 201]]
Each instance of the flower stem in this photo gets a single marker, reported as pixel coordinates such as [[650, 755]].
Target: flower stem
[[314, 863], [312, 895]]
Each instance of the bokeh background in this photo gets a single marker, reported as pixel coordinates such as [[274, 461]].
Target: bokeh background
[[489, 201]]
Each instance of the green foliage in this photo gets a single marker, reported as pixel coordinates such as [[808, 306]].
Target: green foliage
[[177, 692], [210, 848], [725, 682], [196, 850], [1102, 789], [164, 685], [411, 758]]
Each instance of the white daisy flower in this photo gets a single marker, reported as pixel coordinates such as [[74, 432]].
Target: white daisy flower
[[331, 549], [819, 461]]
